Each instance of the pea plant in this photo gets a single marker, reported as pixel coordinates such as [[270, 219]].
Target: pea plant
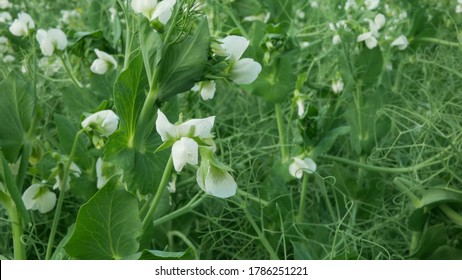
[[236, 129]]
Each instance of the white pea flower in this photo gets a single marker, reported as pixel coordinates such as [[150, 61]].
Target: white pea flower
[[337, 85], [371, 4], [185, 148], [22, 25], [336, 39], [9, 58], [350, 4], [215, 181], [369, 39], [152, 9], [104, 123], [39, 197], [459, 6], [74, 169], [206, 89], [298, 166], [5, 17], [401, 42], [5, 4], [103, 63], [243, 71], [379, 22], [51, 40]]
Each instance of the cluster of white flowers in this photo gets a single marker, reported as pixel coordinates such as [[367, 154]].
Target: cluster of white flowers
[[188, 141], [370, 37], [153, 10], [242, 71], [5, 50], [336, 39]]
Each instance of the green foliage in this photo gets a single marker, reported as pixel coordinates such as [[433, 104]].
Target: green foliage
[[108, 225]]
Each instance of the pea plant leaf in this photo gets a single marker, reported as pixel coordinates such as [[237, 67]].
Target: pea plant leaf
[[16, 110], [141, 165], [108, 225], [183, 63]]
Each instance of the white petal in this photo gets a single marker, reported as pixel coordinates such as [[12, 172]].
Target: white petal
[[58, 38], [220, 183], [184, 151], [75, 169], [336, 39], [163, 11], [27, 20], [146, 7], [401, 42], [57, 185], [208, 90], [101, 180], [459, 8], [99, 66], [17, 28], [298, 166], [202, 127], [379, 20], [41, 35], [364, 36], [163, 126], [300, 107], [29, 196], [47, 48], [372, 4], [106, 57], [106, 120], [46, 202], [245, 71], [235, 46], [371, 42], [5, 17]]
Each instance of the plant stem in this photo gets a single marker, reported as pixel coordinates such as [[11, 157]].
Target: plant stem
[[452, 215], [183, 210], [438, 41], [301, 206], [69, 72], [400, 184], [16, 225], [394, 170], [129, 35], [145, 114], [262, 237], [160, 190], [282, 136], [62, 191], [23, 165]]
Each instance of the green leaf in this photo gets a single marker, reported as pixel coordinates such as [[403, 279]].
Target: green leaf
[[445, 252], [60, 253], [161, 255], [276, 82], [432, 238], [66, 134], [369, 66], [141, 165], [183, 63], [108, 225], [328, 141], [16, 112]]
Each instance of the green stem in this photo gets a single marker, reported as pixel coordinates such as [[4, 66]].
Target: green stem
[[250, 196], [183, 210], [23, 165], [393, 170], [145, 115], [452, 215], [282, 136], [68, 70], [415, 240], [301, 206], [262, 237], [401, 185], [437, 41], [16, 225], [160, 190], [62, 191], [129, 35]]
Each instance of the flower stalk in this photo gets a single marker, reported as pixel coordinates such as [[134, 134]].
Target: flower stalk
[[59, 205]]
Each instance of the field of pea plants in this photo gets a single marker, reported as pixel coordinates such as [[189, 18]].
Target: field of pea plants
[[231, 129]]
